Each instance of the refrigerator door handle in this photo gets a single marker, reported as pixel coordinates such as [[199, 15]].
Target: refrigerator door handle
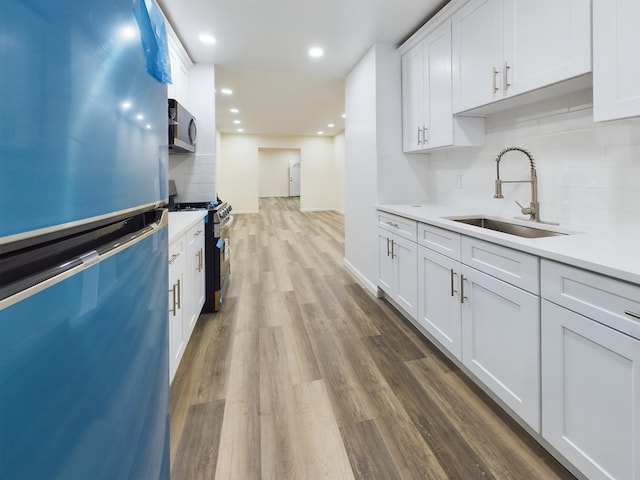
[[32, 284]]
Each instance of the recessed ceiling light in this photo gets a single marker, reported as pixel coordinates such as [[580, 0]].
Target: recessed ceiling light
[[237, 122], [207, 38], [139, 116], [234, 110], [240, 130], [330, 125], [126, 105], [316, 52], [344, 115], [320, 132], [226, 91], [148, 126]]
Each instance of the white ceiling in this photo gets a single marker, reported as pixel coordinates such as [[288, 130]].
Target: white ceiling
[[261, 54]]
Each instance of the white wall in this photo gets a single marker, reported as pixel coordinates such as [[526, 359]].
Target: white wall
[[376, 169], [195, 174], [361, 172], [588, 173], [273, 166], [238, 169], [338, 190]]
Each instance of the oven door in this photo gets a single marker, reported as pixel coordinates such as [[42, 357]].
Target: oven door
[[223, 253]]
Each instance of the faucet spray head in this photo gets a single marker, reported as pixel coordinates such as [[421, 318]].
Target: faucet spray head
[[498, 193]]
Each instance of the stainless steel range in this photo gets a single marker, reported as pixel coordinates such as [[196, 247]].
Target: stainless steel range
[[217, 251]]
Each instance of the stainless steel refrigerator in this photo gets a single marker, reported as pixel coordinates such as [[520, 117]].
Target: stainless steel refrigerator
[[84, 389]]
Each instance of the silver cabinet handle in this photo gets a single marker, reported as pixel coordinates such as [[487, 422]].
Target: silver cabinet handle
[[173, 258], [394, 225], [393, 249], [419, 141], [462, 297], [495, 79], [632, 314], [388, 247], [505, 77], [453, 290], [199, 266], [173, 300], [197, 233], [425, 130], [178, 283]]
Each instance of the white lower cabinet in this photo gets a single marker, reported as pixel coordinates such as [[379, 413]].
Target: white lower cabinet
[[186, 288], [490, 325], [558, 345], [591, 394], [591, 370], [398, 270], [398, 260], [177, 338], [195, 276], [439, 306], [501, 341]]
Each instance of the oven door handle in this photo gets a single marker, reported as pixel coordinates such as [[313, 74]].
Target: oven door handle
[[227, 222]]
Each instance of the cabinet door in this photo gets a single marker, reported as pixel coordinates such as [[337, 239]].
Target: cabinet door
[[412, 99], [477, 30], [546, 41], [177, 340], [439, 299], [405, 275], [501, 341], [438, 108], [590, 392], [196, 287], [616, 63], [385, 261]]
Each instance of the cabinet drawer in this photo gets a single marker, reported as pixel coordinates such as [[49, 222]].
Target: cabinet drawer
[[176, 251], [195, 233], [401, 226], [514, 267], [596, 296], [440, 240]]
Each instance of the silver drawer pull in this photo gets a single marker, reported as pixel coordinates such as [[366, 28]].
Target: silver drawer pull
[[197, 233], [632, 314], [173, 258], [394, 225]]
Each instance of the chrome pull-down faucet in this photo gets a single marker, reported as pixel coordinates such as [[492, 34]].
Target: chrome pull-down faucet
[[534, 207]]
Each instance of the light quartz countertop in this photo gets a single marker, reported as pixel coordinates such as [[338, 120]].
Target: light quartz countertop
[[616, 254], [180, 222]]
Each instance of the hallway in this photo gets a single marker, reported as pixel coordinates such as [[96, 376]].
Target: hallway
[[305, 375]]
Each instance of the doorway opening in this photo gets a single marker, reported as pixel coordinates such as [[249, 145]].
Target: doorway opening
[[279, 173]]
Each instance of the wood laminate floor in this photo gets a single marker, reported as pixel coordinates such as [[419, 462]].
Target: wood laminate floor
[[305, 375]]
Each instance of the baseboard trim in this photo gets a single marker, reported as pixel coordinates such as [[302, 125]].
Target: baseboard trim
[[361, 278]]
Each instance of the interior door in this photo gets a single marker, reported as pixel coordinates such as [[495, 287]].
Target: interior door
[[294, 180]]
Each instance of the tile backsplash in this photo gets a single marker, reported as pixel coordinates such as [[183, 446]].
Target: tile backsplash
[[195, 176], [588, 173]]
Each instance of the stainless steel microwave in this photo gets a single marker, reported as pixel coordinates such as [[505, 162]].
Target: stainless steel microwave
[[183, 132]]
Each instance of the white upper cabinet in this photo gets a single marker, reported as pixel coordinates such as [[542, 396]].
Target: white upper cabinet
[[180, 66], [616, 59], [503, 48], [428, 120], [413, 103]]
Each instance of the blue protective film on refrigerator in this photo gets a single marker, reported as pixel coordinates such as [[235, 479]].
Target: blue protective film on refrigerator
[[84, 126], [153, 36], [84, 382]]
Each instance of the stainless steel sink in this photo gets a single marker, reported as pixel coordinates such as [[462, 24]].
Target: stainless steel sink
[[507, 227]]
